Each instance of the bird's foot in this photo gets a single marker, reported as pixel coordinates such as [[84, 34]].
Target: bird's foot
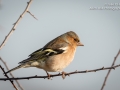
[[48, 75], [63, 74]]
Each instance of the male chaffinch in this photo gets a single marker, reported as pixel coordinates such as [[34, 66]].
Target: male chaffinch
[[55, 55]]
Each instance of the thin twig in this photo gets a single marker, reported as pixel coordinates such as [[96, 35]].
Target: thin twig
[[66, 74], [11, 74], [15, 24], [104, 83], [32, 15], [8, 78]]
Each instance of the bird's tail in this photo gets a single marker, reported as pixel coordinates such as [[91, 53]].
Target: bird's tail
[[20, 66]]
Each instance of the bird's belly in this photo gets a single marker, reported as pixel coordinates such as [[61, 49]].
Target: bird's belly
[[58, 63]]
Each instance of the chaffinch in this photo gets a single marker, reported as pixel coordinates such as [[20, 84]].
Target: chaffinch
[[55, 55]]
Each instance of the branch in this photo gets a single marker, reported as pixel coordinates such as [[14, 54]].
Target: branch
[[32, 15], [11, 73], [8, 78], [55, 75], [15, 24], [110, 70]]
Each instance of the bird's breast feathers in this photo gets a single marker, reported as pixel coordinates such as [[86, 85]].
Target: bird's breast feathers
[[59, 62]]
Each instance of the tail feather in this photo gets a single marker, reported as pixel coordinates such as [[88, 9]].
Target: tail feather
[[15, 68]]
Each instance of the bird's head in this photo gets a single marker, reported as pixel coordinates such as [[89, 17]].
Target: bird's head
[[75, 38]]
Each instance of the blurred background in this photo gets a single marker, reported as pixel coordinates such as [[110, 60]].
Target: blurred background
[[98, 29]]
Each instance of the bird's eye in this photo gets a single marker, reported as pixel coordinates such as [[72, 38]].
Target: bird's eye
[[76, 40]]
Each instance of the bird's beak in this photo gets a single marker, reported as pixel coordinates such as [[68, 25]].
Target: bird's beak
[[79, 44]]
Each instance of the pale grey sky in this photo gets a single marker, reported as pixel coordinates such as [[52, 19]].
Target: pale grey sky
[[99, 31]]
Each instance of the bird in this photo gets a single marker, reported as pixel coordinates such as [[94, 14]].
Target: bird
[[54, 56]]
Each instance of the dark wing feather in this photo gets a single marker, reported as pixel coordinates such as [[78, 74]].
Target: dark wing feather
[[41, 54], [50, 49], [35, 52], [33, 56]]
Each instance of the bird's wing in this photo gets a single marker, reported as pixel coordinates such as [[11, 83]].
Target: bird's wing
[[54, 47], [47, 51], [42, 54]]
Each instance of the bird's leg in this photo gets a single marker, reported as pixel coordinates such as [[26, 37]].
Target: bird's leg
[[63, 74], [48, 75]]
